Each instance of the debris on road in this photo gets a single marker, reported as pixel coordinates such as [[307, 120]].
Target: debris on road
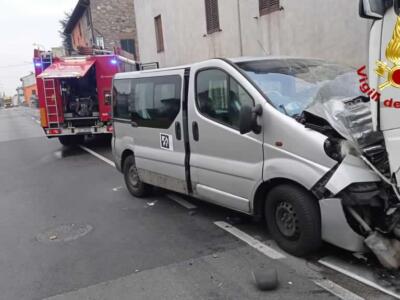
[[234, 220], [266, 279], [116, 189], [151, 203]]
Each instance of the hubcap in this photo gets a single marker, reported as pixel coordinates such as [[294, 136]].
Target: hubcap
[[133, 176], [286, 220]]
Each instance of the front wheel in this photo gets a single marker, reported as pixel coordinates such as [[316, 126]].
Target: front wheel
[[293, 218], [135, 186]]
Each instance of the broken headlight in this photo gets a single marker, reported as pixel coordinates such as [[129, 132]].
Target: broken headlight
[[337, 149]]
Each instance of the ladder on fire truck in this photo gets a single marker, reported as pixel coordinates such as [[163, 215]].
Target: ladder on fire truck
[[49, 87], [50, 100]]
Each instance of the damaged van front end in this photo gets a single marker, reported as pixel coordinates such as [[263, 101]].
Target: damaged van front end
[[358, 191]]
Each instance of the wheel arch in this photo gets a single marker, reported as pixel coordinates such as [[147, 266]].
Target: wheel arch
[[125, 154], [264, 188]]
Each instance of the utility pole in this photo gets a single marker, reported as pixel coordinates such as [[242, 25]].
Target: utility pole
[[240, 28]]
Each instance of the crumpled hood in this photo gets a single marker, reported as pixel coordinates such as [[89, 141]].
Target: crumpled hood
[[349, 117]]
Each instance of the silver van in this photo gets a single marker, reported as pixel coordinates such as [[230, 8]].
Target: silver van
[[287, 140]]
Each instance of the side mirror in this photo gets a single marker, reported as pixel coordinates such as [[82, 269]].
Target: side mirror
[[373, 9], [248, 119]]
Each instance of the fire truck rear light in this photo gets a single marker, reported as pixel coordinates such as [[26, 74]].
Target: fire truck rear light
[[54, 131], [43, 118]]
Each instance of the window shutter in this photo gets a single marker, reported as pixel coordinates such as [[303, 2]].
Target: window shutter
[[212, 16], [268, 6]]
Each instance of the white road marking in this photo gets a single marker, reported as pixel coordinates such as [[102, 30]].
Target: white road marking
[[264, 249], [337, 290], [182, 201], [358, 278], [326, 284], [106, 160]]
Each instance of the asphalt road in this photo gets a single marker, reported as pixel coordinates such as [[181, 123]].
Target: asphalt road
[[69, 229]]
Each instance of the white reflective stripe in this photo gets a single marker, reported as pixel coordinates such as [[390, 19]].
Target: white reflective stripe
[[358, 278], [106, 160], [337, 290], [264, 249]]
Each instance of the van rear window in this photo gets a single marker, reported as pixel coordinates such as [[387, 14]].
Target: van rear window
[[150, 102]]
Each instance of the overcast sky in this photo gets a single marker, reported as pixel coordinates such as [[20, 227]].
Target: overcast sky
[[23, 23]]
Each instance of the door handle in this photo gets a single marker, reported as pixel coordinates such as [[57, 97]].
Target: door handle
[[178, 132], [195, 131]]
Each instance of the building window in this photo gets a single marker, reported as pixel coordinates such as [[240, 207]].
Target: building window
[[128, 45], [268, 6], [159, 33], [100, 42], [212, 16]]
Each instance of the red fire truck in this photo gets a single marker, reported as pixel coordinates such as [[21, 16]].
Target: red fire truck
[[75, 93]]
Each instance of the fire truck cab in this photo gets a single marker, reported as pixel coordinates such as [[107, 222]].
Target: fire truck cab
[[75, 93]]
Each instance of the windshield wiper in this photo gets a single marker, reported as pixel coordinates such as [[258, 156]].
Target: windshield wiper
[[281, 106]]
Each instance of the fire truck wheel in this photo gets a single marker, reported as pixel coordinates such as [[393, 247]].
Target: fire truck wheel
[[293, 219], [135, 186], [71, 140]]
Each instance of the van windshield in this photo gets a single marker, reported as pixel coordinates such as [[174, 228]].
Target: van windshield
[[292, 85]]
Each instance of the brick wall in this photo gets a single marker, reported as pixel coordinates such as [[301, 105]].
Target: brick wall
[[114, 21]]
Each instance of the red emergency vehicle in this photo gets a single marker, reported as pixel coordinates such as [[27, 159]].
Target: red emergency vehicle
[[75, 93]]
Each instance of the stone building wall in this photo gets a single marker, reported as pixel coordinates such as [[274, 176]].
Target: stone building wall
[[114, 21]]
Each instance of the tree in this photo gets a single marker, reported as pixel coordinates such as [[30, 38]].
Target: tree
[[66, 38]]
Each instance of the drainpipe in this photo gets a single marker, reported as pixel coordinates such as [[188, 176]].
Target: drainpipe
[[89, 8], [240, 28]]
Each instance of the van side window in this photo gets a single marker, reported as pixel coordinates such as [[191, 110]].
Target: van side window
[[220, 97], [121, 95], [156, 101]]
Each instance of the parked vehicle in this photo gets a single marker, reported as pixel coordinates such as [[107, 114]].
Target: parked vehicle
[[278, 138], [7, 102], [75, 93]]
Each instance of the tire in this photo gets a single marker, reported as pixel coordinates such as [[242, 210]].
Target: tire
[[293, 219], [135, 186], [71, 140]]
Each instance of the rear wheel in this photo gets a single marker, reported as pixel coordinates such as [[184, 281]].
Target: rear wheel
[[293, 218], [71, 140], [135, 186]]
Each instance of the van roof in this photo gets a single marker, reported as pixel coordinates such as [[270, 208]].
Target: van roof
[[232, 60]]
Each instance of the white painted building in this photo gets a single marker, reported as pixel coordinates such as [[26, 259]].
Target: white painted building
[[175, 32]]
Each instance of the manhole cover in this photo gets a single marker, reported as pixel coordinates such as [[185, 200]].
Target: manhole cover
[[64, 233]]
